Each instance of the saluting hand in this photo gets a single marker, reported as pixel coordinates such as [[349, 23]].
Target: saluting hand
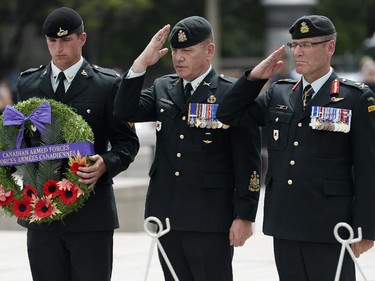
[[91, 174], [153, 51], [266, 68]]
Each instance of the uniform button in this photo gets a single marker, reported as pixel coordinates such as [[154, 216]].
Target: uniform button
[[277, 119], [161, 109], [183, 118], [182, 137], [292, 162], [88, 111], [290, 182], [178, 154], [299, 125], [177, 174], [296, 143]]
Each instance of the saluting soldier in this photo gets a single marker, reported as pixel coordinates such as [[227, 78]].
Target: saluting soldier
[[205, 175], [81, 246], [320, 136]]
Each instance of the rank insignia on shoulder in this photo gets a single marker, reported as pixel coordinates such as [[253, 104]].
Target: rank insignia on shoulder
[[371, 108], [254, 185]]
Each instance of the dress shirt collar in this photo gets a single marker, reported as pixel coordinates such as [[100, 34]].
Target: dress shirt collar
[[196, 82], [70, 72], [317, 84]]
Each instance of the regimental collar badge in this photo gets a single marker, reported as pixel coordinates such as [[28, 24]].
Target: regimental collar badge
[[211, 99], [304, 28], [181, 36], [62, 32], [84, 73]]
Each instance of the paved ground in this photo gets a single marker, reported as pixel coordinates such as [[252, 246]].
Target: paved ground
[[254, 261]]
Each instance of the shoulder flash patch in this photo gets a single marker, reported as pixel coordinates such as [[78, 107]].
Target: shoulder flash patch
[[106, 71], [32, 70], [352, 83]]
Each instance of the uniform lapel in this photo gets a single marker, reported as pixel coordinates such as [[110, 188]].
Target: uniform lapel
[[79, 82], [177, 93], [205, 88], [45, 83], [296, 97]]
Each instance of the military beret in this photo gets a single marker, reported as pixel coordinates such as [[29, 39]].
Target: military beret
[[62, 22], [189, 31], [312, 26]]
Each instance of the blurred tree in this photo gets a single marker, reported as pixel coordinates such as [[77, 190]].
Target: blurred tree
[[354, 21], [119, 30]]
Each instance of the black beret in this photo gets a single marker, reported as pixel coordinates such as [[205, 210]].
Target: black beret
[[312, 26], [62, 22], [189, 31]]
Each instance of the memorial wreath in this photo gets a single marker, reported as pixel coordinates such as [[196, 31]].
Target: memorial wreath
[[33, 184]]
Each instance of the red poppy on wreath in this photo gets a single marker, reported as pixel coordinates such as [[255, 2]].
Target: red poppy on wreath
[[50, 188], [77, 162], [43, 207], [29, 192], [6, 197], [69, 192], [22, 208]]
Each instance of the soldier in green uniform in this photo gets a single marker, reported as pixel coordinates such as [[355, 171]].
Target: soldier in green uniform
[[320, 136], [81, 246], [205, 175]]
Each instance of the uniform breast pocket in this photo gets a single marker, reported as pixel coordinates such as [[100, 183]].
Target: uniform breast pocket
[[328, 144], [277, 129], [165, 119]]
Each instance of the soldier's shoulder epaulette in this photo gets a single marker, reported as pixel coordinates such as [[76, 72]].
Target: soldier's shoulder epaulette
[[32, 70], [352, 83], [173, 75], [228, 78], [288, 81], [106, 71]]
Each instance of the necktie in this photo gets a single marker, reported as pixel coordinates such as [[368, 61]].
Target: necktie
[[307, 95], [187, 91], [60, 91]]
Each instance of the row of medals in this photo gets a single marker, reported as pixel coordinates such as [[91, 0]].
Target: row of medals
[[203, 115], [330, 119]]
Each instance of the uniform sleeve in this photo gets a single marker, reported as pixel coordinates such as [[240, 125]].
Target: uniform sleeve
[[363, 136], [246, 145], [133, 104], [124, 142], [235, 108]]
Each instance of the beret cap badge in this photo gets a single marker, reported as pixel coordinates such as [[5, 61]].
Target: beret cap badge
[[181, 36], [304, 27], [62, 32]]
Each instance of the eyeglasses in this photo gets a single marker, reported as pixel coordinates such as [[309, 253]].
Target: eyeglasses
[[305, 45]]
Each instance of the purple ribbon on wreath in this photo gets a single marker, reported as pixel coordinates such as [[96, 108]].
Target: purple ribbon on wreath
[[41, 115]]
